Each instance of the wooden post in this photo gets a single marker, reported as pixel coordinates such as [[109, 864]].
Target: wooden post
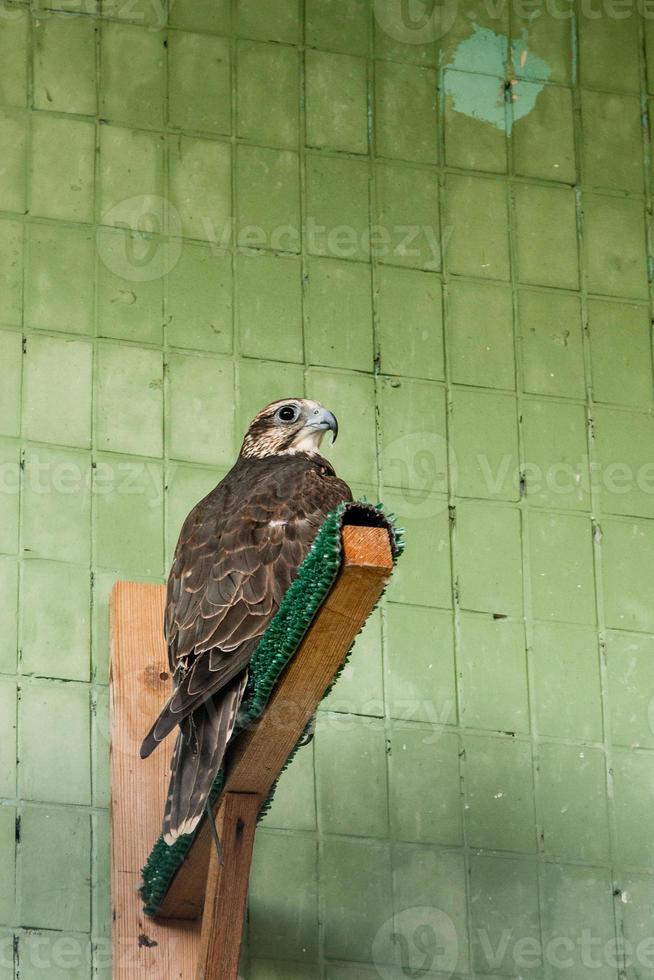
[[227, 888], [140, 684], [172, 946]]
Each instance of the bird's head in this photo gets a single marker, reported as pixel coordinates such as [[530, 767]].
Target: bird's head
[[292, 425]]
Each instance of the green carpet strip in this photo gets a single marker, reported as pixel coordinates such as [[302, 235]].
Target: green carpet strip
[[278, 644]]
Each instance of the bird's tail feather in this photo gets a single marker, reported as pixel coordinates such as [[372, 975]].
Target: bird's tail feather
[[197, 757]]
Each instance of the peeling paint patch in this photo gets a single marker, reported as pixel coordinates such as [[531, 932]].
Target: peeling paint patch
[[476, 78]]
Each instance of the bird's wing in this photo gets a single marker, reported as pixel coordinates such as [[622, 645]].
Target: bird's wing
[[238, 552]]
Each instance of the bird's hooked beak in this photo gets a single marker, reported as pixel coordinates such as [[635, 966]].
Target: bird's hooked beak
[[322, 419]]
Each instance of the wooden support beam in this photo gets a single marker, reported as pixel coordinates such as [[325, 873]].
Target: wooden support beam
[[254, 762]]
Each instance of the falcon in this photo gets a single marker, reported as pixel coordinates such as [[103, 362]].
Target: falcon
[[238, 552]]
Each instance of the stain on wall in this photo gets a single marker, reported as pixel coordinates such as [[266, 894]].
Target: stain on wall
[[475, 79]]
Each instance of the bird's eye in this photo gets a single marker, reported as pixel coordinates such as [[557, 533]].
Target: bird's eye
[[288, 413]]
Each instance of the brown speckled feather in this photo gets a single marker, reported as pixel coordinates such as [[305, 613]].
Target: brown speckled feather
[[239, 550]]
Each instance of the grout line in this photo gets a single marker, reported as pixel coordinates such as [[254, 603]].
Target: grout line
[[26, 241], [96, 691], [618, 876], [595, 497], [164, 249], [303, 202], [523, 507], [459, 687]]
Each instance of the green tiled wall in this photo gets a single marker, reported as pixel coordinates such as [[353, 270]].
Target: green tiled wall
[[443, 235]]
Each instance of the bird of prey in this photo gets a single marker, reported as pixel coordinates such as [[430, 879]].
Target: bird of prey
[[238, 551]]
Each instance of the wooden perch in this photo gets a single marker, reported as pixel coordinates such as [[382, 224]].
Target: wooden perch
[[174, 945]]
